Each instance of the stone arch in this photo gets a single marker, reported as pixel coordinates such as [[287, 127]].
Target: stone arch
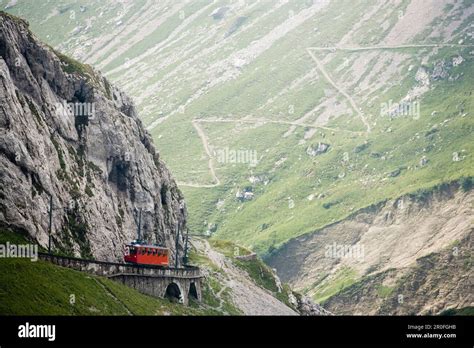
[[193, 293], [173, 292]]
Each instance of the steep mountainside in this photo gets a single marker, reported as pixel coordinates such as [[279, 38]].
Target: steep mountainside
[[232, 285], [437, 283], [69, 134], [99, 166], [292, 126], [281, 117], [236, 275], [418, 247]]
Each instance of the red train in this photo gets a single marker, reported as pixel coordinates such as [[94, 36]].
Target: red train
[[144, 254]]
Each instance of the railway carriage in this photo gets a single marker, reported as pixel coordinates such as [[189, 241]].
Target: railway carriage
[[146, 254]]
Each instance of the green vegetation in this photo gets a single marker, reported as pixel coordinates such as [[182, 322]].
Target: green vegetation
[[76, 230], [217, 299], [344, 278], [417, 276], [228, 248], [16, 19], [40, 288], [257, 270], [384, 291], [60, 153], [282, 84], [459, 311], [7, 235], [72, 66], [466, 184], [34, 111], [293, 193]]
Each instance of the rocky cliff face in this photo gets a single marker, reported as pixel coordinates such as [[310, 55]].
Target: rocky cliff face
[[410, 255], [434, 284], [67, 133]]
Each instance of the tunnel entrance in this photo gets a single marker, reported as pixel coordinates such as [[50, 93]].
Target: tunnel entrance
[[173, 293], [193, 291]]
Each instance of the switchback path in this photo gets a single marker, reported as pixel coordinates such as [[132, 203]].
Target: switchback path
[[205, 140], [364, 48], [320, 66], [383, 47], [340, 90]]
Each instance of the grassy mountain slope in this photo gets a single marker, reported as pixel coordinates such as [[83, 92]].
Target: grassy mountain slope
[[41, 288], [387, 242], [255, 66], [277, 79]]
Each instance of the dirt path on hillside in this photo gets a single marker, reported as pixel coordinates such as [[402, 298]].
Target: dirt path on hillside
[[293, 124], [246, 295], [210, 164], [205, 140], [265, 120], [384, 47], [340, 90], [364, 48]]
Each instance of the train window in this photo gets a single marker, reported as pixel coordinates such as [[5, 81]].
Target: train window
[[154, 251], [149, 251], [133, 251], [143, 251]]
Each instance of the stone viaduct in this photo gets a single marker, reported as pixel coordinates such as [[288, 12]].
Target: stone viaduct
[[175, 283]]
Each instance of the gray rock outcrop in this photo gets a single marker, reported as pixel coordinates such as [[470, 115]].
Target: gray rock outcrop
[[317, 149], [307, 307], [66, 132]]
